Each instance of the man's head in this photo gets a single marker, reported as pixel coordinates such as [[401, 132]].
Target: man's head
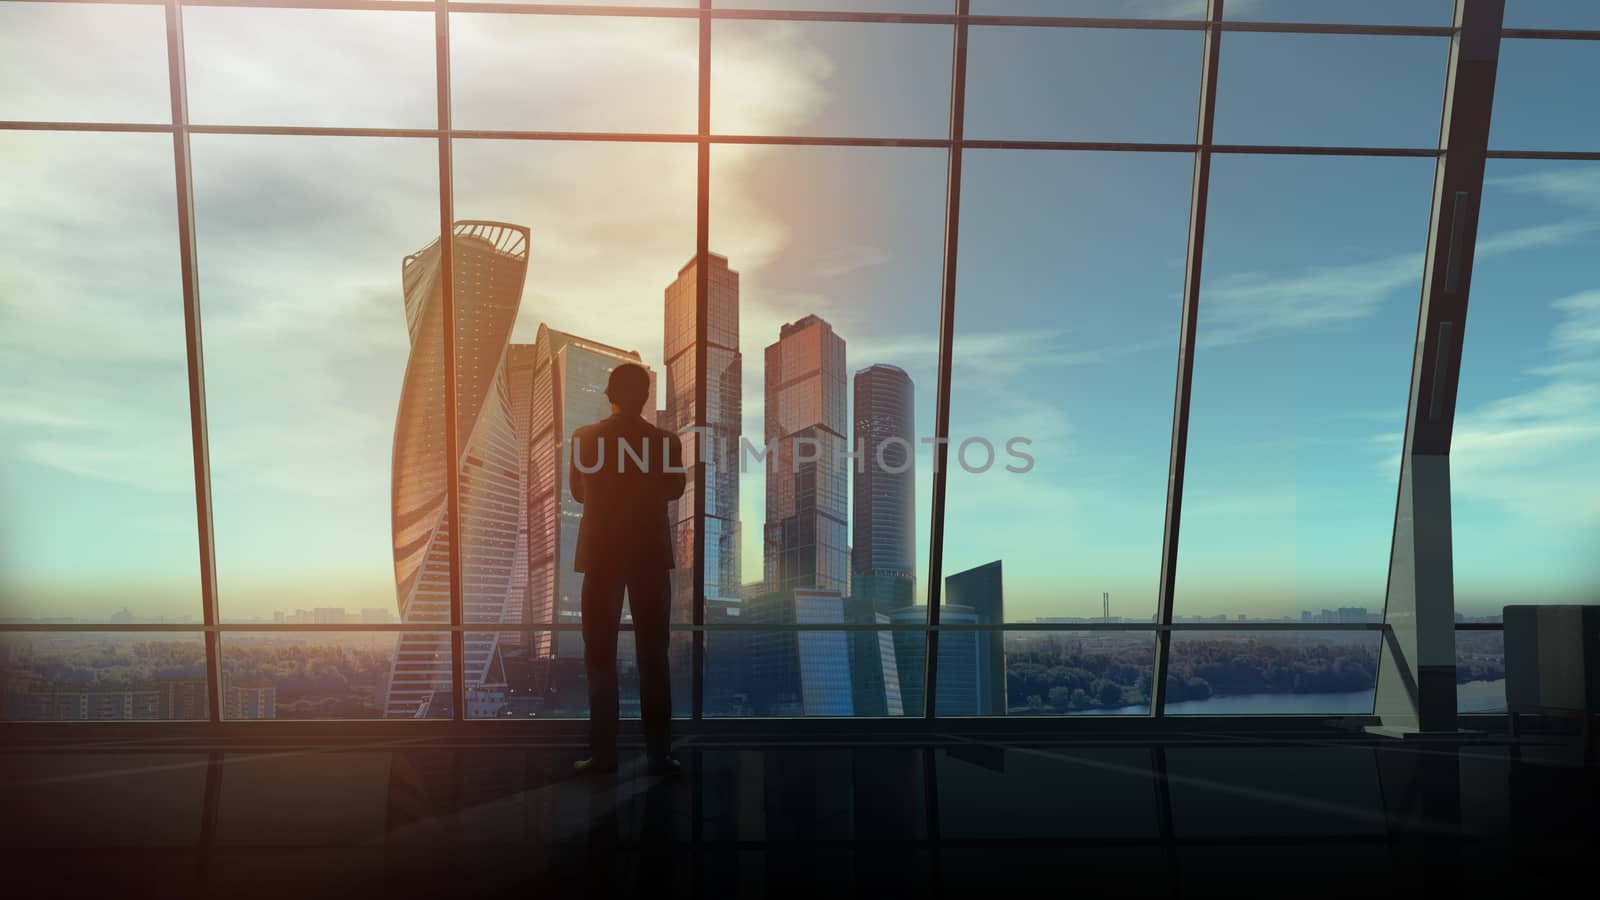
[[628, 388]]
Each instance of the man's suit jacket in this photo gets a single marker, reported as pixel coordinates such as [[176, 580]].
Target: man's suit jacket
[[625, 494]]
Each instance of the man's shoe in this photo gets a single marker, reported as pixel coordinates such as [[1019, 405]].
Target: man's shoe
[[594, 766], [665, 765]]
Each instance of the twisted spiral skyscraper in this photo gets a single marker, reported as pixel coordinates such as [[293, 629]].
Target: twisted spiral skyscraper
[[490, 260]]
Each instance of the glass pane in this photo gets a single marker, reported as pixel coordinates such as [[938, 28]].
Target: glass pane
[[70, 62], [1538, 101], [857, 673], [574, 73], [1364, 12], [830, 78], [838, 254], [1083, 84], [528, 680], [94, 390], [602, 2], [1122, 9], [324, 365], [1480, 671], [1525, 496], [904, 6], [1055, 673], [310, 67], [1552, 14], [1331, 90], [1069, 300], [336, 675], [609, 228], [1272, 673], [97, 677], [1307, 321]]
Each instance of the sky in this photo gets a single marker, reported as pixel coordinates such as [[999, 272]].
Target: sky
[[1070, 276]]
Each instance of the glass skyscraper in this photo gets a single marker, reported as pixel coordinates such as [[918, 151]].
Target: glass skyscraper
[[724, 408], [884, 530], [980, 589], [800, 673], [805, 544], [568, 391], [972, 664], [490, 264]]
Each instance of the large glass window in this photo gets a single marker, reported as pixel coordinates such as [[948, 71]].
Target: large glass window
[[580, 193], [1072, 84], [1536, 105], [1303, 350], [830, 78], [1525, 497], [43, 47], [98, 476], [826, 274], [1551, 14], [609, 229], [1330, 89], [1067, 314], [84, 676], [324, 374], [1363, 12], [573, 73], [310, 67]]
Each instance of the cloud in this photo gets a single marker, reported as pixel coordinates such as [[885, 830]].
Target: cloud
[[1251, 306], [17, 410], [846, 260], [1563, 185], [86, 63], [1534, 237], [1579, 330], [1532, 452], [1001, 355], [155, 469]]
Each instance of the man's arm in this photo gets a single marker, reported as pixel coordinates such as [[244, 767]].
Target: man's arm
[[575, 477], [676, 479]]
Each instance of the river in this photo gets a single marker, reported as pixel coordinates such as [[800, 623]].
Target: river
[[1472, 697]]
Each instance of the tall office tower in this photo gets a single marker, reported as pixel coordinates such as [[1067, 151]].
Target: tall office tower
[[723, 419], [972, 664], [805, 544], [569, 383], [490, 264], [799, 673], [521, 361], [884, 530]]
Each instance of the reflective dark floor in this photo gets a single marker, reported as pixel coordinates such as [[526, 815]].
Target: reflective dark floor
[[1298, 813]]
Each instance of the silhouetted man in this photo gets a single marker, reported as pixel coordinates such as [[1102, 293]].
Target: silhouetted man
[[625, 471]]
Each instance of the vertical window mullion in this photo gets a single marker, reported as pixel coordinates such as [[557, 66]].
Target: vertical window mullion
[[702, 306], [447, 289], [1199, 193], [947, 311], [188, 256]]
